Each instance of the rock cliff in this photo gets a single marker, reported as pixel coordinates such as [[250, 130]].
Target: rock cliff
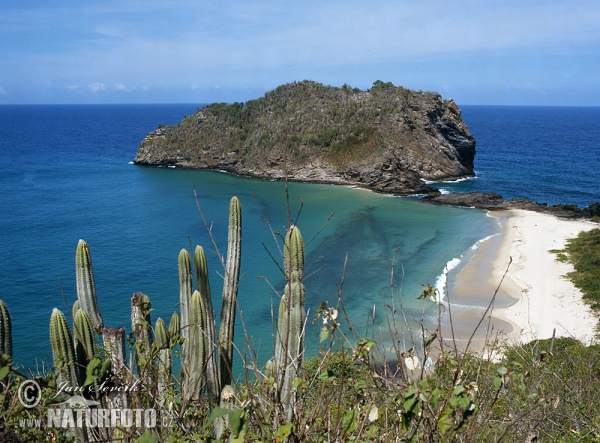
[[388, 139]]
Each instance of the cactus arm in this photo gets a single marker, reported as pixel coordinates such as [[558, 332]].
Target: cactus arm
[[5, 330], [61, 341], [230, 288], [165, 363], [75, 308], [174, 329], [196, 350], [212, 379], [162, 334], [86, 289], [84, 341]]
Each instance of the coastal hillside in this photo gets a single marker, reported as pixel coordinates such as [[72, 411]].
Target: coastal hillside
[[387, 138]]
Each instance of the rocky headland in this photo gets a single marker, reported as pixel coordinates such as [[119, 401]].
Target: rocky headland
[[387, 139], [495, 202]]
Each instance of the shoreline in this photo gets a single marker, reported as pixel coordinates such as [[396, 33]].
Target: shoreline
[[534, 298]]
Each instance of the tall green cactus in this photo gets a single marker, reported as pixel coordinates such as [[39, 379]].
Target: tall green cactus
[[86, 288], [165, 363], [289, 346], [230, 289], [63, 353], [196, 350], [5, 330], [186, 288], [212, 379]]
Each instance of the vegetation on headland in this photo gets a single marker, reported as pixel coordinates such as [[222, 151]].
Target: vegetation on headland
[[353, 392], [583, 252], [368, 137]]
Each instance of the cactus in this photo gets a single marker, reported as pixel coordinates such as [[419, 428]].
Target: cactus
[[5, 330], [141, 327], [212, 379], [86, 289], [230, 288], [289, 347], [185, 295], [196, 350], [63, 353], [165, 363], [174, 328], [114, 345], [75, 308], [84, 341]]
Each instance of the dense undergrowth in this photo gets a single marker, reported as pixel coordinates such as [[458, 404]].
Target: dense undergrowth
[[583, 252]]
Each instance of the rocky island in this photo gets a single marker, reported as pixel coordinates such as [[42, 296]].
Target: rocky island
[[387, 139]]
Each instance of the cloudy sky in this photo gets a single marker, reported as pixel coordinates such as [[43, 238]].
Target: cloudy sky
[[536, 52]]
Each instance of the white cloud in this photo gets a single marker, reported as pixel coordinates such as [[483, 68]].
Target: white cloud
[[3, 91], [97, 87], [72, 87], [121, 87]]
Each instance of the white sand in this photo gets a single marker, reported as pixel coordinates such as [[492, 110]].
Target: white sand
[[546, 299]]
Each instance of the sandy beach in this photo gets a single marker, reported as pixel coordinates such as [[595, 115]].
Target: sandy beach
[[534, 298]]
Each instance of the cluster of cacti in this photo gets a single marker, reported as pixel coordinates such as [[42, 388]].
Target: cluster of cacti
[[289, 344], [5, 330], [206, 359], [198, 327]]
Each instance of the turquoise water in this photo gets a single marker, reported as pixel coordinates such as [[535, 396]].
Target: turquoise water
[[65, 175]]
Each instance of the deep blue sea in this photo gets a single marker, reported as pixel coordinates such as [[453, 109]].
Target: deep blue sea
[[547, 154], [65, 174]]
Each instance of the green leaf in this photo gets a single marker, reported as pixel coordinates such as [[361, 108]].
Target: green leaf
[[446, 421], [147, 437], [502, 370], [350, 423], [323, 335], [219, 412], [283, 432], [497, 383], [239, 426], [4, 371], [236, 421]]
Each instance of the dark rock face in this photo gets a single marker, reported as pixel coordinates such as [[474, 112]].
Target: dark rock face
[[593, 210], [494, 202], [388, 139]]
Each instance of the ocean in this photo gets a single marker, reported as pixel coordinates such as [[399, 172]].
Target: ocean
[[66, 174]]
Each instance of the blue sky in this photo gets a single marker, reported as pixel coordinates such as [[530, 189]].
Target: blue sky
[[530, 52]]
